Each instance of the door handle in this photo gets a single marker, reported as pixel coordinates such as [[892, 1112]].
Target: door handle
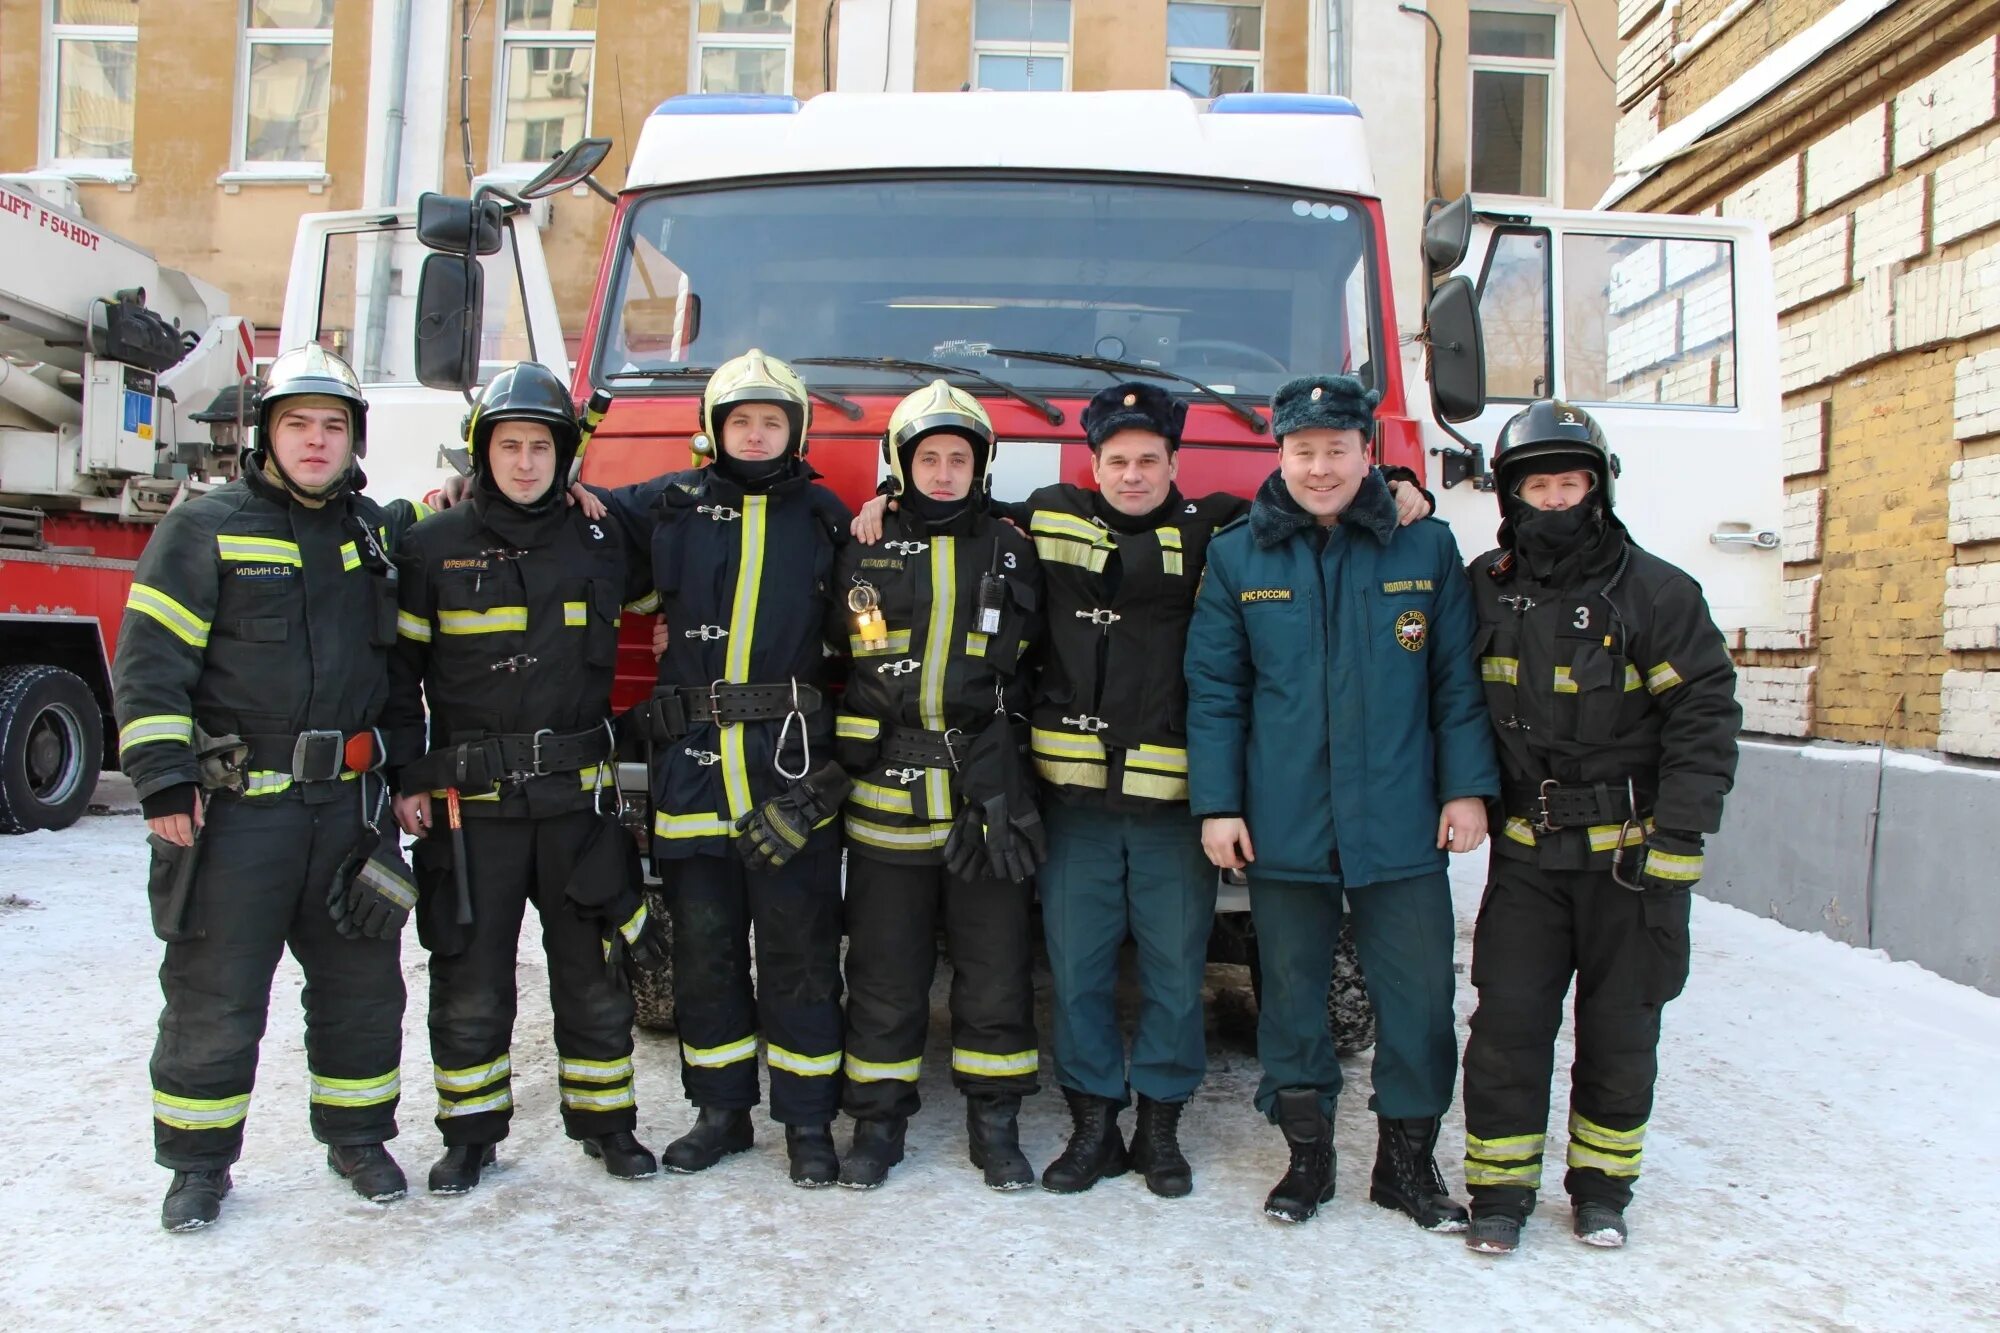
[[1756, 541]]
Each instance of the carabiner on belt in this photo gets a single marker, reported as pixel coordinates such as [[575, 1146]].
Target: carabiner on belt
[[805, 740]]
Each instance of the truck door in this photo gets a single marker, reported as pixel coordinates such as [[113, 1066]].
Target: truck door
[[1665, 329]]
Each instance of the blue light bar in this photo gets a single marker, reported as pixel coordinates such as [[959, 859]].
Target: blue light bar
[[728, 104], [1281, 104]]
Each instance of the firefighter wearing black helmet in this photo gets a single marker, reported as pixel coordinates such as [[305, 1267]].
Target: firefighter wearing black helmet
[[942, 825], [252, 670], [508, 633], [1614, 704], [745, 789]]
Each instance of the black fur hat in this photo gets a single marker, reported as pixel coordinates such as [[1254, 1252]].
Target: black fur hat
[[1329, 402], [1134, 406]]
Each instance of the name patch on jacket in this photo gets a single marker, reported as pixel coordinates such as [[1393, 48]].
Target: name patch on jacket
[[243, 571], [881, 562], [1409, 585], [465, 564], [1412, 628], [1265, 595]]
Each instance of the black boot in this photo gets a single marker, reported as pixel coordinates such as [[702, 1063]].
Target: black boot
[[877, 1146], [458, 1170], [1598, 1224], [1406, 1175], [993, 1140], [194, 1199], [1493, 1233], [623, 1155], [717, 1133], [815, 1164], [1156, 1149], [1308, 1182], [370, 1169], [1096, 1149]]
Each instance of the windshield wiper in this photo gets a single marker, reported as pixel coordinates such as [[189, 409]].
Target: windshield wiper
[[1115, 368], [847, 407], [919, 369]]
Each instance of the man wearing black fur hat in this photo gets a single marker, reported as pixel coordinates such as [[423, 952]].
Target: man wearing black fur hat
[[1334, 716]]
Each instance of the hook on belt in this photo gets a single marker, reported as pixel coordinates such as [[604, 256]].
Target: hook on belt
[[795, 717]]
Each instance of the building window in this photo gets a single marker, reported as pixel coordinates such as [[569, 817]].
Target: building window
[[543, 104], [1216, 48], [88, 90], [743, 46], [1514, 101], [1021, 46], [287, 80]]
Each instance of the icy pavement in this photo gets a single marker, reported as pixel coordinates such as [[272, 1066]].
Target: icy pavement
[[1825, 1154]]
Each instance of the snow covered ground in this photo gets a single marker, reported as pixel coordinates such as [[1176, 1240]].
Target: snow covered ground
[[1825, 1154]]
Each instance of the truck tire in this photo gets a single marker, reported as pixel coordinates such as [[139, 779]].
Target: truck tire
[[1350, 1017], [51, 746], [653, 989]]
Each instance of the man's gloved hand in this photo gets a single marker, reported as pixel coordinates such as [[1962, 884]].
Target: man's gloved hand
[[373, 893], [777, 830], [998, 785], [1673, 860], [633, 939], [965, 846]]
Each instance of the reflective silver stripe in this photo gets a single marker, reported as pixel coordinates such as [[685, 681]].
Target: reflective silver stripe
[[869, 1071], [414, 628], [978, 1062], [151, 730], [714, 1057], [388, 883], [199, 1112], [597, 1071], [808, 1066], [356, 1091], [609, 1099], [264, 782], [499, 1101], [261, 550], [478, 1076], [494, 620], [182, 623]]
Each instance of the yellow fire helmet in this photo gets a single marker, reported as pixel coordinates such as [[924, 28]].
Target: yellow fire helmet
[[935, 407], [754, 377]]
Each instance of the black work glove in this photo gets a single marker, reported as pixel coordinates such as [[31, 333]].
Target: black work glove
[[1673, 860], [999, 785], [633, 940], [372, 894], [777, 830], [965, 845]]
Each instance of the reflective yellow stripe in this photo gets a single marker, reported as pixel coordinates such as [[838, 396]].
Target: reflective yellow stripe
[[1059, 524], [1170, 549], [635, 925], [265, 782], [496, 620], [596, 1071], [590, 779], [1565, 683], [1065, 552], [1500, 670], [1518, 1148], [806, 1066], [854, 727], [350, 558], [385, 881], [705, 825], [1609, 1163], [414, 628], [1662, 678], [474, 1077], [742, 634], [153, 730], [874, 796], [182, 623], [715, 1057], [868, 1071], [199, 1112], [499, 1101], [1632, 681], [1605, 837], [975, 644], [575, 613], [421, 510], [998, 1066], [898, 645], [1066, 744], [1520, 1177], [1171, 562], [1161, 757], [937, 643], [606, 1099], [1154, 787], [1673, 866], [1070, 773], [355, 1091], [260, 550], [920, 838], [645, 605], [1584, 1130], [1519, 830]]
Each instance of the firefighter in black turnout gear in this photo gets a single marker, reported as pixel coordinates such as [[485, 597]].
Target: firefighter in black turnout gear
[[1614, 705], [942, 820], [745, 788], [508, 630], [252, 670]]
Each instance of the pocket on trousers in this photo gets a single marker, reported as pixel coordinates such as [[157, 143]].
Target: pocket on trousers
[[170, 890], [1666, 913], [437, 896]]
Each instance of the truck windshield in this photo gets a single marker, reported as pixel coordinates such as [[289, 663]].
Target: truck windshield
[[1238, 288]]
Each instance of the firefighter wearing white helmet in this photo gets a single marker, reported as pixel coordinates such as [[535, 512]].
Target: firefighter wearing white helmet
[[745, 790], [942, 825]]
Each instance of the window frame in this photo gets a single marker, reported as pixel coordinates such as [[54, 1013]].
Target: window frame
[[241, 165], [54, 34], [1025, 50], [1548, 239], [699, 43], [1550, 67], [1203, 55], [505, 40]]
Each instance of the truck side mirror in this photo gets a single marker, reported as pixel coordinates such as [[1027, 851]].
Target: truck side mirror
[[454, 226], [1448, 234], [451, 291], [573, 166], [1457, 351]]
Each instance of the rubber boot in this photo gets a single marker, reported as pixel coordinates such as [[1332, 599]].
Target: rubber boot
[[194, 1199], [1096, 1148], [815, 1164], [993, 1140], [1406, 1175], [1308, 1182], [1156, 1149], [458, 1170], [1599, 1224], [1493, 1233], [370, 1169], [877, 1146], [717, 1133], [623, 1155]]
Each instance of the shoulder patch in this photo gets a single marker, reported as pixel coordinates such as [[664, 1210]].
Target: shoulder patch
[[1412, 629], [1265, 595]]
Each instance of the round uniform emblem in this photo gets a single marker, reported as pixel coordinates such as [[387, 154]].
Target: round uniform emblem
[[1412, 628]]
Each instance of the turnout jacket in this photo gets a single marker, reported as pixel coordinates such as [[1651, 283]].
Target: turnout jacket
[[743, 580], [254, 615], [508, 625], [1333, 696], [1614, 673], [936, 677], [1110, 704]]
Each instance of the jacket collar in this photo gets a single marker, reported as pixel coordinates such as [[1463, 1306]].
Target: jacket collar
[[1276, 517]]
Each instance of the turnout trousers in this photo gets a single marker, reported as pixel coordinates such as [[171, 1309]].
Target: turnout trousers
[[1113, 874], [261, 886], [1629, 955], [511, 863], [1403, 932], [795, 1002], [892, 920]]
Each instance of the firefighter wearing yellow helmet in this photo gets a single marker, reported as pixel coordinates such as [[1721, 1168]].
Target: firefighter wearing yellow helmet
[[744, 787], [942, 823]]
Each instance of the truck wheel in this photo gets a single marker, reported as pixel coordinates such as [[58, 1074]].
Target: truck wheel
[[653, 989], [51, 745], [1350, 1017]]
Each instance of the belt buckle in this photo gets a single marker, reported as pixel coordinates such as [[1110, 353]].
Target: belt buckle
[[536, 768], [317, 756], [1544, 821], [715, 700]]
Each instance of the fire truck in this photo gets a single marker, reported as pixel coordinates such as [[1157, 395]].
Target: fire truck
[[121, 390]]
